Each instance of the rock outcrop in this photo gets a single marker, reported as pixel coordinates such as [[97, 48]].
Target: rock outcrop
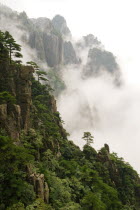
[[100, 61], [47, 41], [90, 41], [69, 54], [40, 186], [16, 81], [60, 25]]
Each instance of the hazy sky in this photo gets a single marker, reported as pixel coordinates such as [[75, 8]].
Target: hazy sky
[[114, 22]]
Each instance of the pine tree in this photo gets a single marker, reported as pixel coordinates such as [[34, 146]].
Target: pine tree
[[39, 73], [13, 48], [88, 138], [3, 49]]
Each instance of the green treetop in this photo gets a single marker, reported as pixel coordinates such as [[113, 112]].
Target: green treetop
[[13, 48], [41, 75], [3, 49], [88, 138]]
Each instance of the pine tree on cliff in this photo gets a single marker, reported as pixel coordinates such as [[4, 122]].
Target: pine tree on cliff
[[13, 48], [88, 138], [41, 75], [3, 49]]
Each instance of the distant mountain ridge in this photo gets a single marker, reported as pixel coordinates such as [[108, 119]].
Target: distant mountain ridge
[[53, 42]]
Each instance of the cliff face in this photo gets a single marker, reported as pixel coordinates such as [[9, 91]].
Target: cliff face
[[60, 25], [17, 81], [53, 43], [101, 60], [47, 42], [70, 54], [53, 46]]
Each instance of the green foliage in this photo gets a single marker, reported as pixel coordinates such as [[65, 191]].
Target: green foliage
[[56, 81], [89, 152], [13, 185], [41, 75], [32, 140], [7, 98], [93, 201], [8, 47], [39, 205], [3, 50], [18, 206], [88, 138]]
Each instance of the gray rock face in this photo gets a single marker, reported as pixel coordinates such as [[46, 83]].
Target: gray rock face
[[69, 54], [91, 40], [43, 24], [60, 25], [50, 39], [100, 60], [53, 47], [47, 42], [36, 42], [40, 35], [16, 117], [40, 186], [49, 47]]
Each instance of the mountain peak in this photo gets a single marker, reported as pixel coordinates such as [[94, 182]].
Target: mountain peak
[[60, 25]]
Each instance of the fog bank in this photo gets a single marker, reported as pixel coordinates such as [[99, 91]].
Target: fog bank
[[110, 113]]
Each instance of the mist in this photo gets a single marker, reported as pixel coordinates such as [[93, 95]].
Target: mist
[[13, 26], [110, 113]]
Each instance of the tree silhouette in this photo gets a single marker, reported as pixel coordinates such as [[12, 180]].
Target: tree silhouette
[[88, 138], [39, 73], [12, 47], [3, 49]]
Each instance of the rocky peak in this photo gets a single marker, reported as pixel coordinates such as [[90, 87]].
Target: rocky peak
[[43, 24], [60, 25], [91, 40], [100, 61]]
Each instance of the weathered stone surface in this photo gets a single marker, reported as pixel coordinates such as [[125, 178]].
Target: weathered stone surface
[[91, 40], [60, 25], [10, 119], [3, 112], [101, 61], [107, 147], [69, 54], [40, 186], [43, 24], [46, 193], [53, 46], [14, 122], [17, 81], [53, 104], [24, 95]]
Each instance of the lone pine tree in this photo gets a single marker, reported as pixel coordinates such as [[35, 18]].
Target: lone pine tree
[[88, 138]]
